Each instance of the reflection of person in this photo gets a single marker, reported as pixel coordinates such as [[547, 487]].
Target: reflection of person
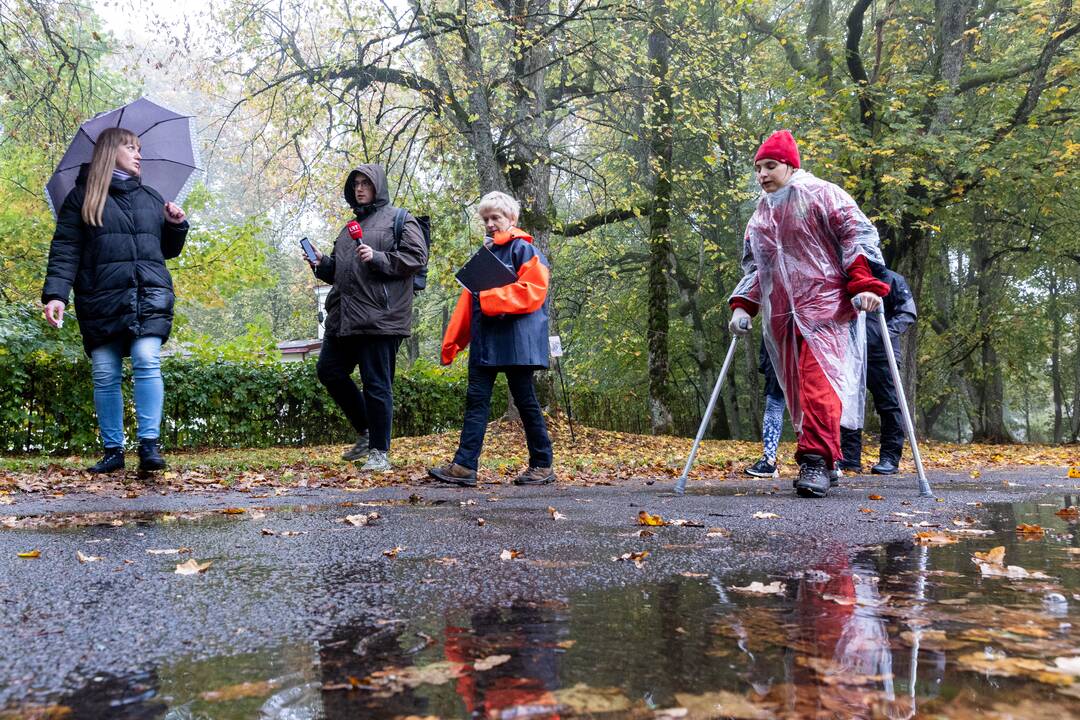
[[843, 641], [520, 687], [368, 312], [507, 330], [808, 250], [900, 315], [113, 236]]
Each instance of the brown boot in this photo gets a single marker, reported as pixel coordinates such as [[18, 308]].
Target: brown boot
[[536, 476], [454, 474]]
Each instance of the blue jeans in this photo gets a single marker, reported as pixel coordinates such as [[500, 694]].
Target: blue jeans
[[478, 406], [107, 368]]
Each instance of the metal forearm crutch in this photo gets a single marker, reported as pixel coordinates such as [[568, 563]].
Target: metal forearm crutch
[[924, 485], [680, 484]]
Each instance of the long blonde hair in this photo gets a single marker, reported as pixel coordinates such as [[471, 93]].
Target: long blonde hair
[[101, 168]]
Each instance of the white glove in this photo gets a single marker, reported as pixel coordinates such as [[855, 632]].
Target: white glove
[[867, 302], [740, 322]]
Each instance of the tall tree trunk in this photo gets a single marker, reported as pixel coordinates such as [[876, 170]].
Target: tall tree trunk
[[660, 252], [1055, 358]]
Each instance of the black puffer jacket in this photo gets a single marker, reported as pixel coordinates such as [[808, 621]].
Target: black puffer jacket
[[122, 287], [372, 298]]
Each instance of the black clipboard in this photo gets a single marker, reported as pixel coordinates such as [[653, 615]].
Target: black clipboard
[[484, 271]]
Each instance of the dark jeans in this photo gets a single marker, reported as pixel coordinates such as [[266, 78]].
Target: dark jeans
[[887, 403], [373, 410], [478, 407]]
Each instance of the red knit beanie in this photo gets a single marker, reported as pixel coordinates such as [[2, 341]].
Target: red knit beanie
[[780, 146]]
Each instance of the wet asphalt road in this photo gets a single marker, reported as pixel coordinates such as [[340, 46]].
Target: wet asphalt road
[[63, 621]]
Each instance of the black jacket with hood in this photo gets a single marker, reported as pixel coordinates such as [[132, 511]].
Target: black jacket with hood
[[372, 298], [122, 287]]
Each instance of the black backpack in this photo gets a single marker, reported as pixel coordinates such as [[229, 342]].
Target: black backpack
[[419, 280]]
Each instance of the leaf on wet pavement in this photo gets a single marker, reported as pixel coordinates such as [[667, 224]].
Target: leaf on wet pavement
[[484, 664], [233, 511], [240, 691], [193, 567], [361, 519], [874, 497], [1025, 530], [645, 518], [84, 558], [30, 554], [687, 523], [555, 514], [480, 522], [688, 574], [1068, 665], [1074, 472], [719, 704], [935, 538], [587, 701], [964, 522], [168, 551], [510, 554], [638, 558], [773, 588], [1069, 513], [994, 556], [715, 532], [393, 552], [997, 664], [760, 515]]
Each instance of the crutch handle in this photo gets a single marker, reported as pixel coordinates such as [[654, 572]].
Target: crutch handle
[[744, 323], [857, 302]]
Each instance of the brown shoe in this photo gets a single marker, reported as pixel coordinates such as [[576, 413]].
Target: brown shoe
[[536, 476], [454, 474]]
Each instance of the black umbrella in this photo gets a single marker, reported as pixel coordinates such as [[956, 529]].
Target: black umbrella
[[167, 146]]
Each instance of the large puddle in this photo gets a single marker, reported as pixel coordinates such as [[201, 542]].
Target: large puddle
[[895, 631]]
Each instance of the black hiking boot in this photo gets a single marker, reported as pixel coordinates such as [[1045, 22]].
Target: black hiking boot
[[111, 462], [813, 480], [150, 455]]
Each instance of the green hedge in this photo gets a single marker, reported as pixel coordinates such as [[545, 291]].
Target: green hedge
[[46, 403]]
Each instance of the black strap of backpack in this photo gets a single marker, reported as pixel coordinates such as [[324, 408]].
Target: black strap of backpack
[[399, 226]]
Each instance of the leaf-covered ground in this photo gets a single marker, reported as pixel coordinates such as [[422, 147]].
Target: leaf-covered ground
[[592, 457]]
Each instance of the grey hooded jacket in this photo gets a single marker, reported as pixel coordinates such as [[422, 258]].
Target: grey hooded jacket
[[372, 298]]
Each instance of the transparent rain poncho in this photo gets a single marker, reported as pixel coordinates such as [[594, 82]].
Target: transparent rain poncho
[[798, 245]]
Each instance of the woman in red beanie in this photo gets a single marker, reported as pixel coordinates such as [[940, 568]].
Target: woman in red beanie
[[807, 256]]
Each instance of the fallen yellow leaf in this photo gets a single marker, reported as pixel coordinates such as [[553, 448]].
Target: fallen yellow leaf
[[645, 518], [233, 511], [1074, 471], [1070, 513], [393, 552], [31, 554], [874, 497], [934, 538], [1025, 529], [995, 556], [84, 558], [773, 588]]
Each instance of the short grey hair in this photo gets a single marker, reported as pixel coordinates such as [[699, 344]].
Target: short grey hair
[[501, 202]]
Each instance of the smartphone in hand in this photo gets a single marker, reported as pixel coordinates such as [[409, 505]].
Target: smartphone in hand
[[309, 250]]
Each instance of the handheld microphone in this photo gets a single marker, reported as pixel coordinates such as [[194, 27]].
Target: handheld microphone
[[355, 231]]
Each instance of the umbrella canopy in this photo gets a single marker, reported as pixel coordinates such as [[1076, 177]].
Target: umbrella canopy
[[169, 154]]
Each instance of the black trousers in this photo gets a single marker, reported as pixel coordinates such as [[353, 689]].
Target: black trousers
[[370, 411], [478, 407], [887, 403]]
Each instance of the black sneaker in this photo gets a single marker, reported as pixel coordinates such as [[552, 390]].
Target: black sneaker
[[358, 451], [150, 455], [887, 466], [763, 469], [813, 480], [111, 462]]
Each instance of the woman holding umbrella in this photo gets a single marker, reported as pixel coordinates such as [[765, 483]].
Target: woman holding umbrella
[[113, 236]]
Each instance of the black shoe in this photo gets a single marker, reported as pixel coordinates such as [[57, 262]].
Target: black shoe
[[111, 462], [763, 468], [813, 480], [150, 455], [849, 468], [835, 474], [885, 467]]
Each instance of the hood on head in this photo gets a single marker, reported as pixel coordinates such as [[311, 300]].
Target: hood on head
[[373, 172]]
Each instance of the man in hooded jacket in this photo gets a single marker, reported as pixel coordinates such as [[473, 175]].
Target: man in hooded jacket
[[369, 311]]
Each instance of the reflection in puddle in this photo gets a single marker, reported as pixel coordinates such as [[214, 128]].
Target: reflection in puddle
[[895, 631]]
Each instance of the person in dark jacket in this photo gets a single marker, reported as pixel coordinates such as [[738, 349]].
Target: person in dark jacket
[[113, 236], [507, 331], [368, 311], [900, 315]]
